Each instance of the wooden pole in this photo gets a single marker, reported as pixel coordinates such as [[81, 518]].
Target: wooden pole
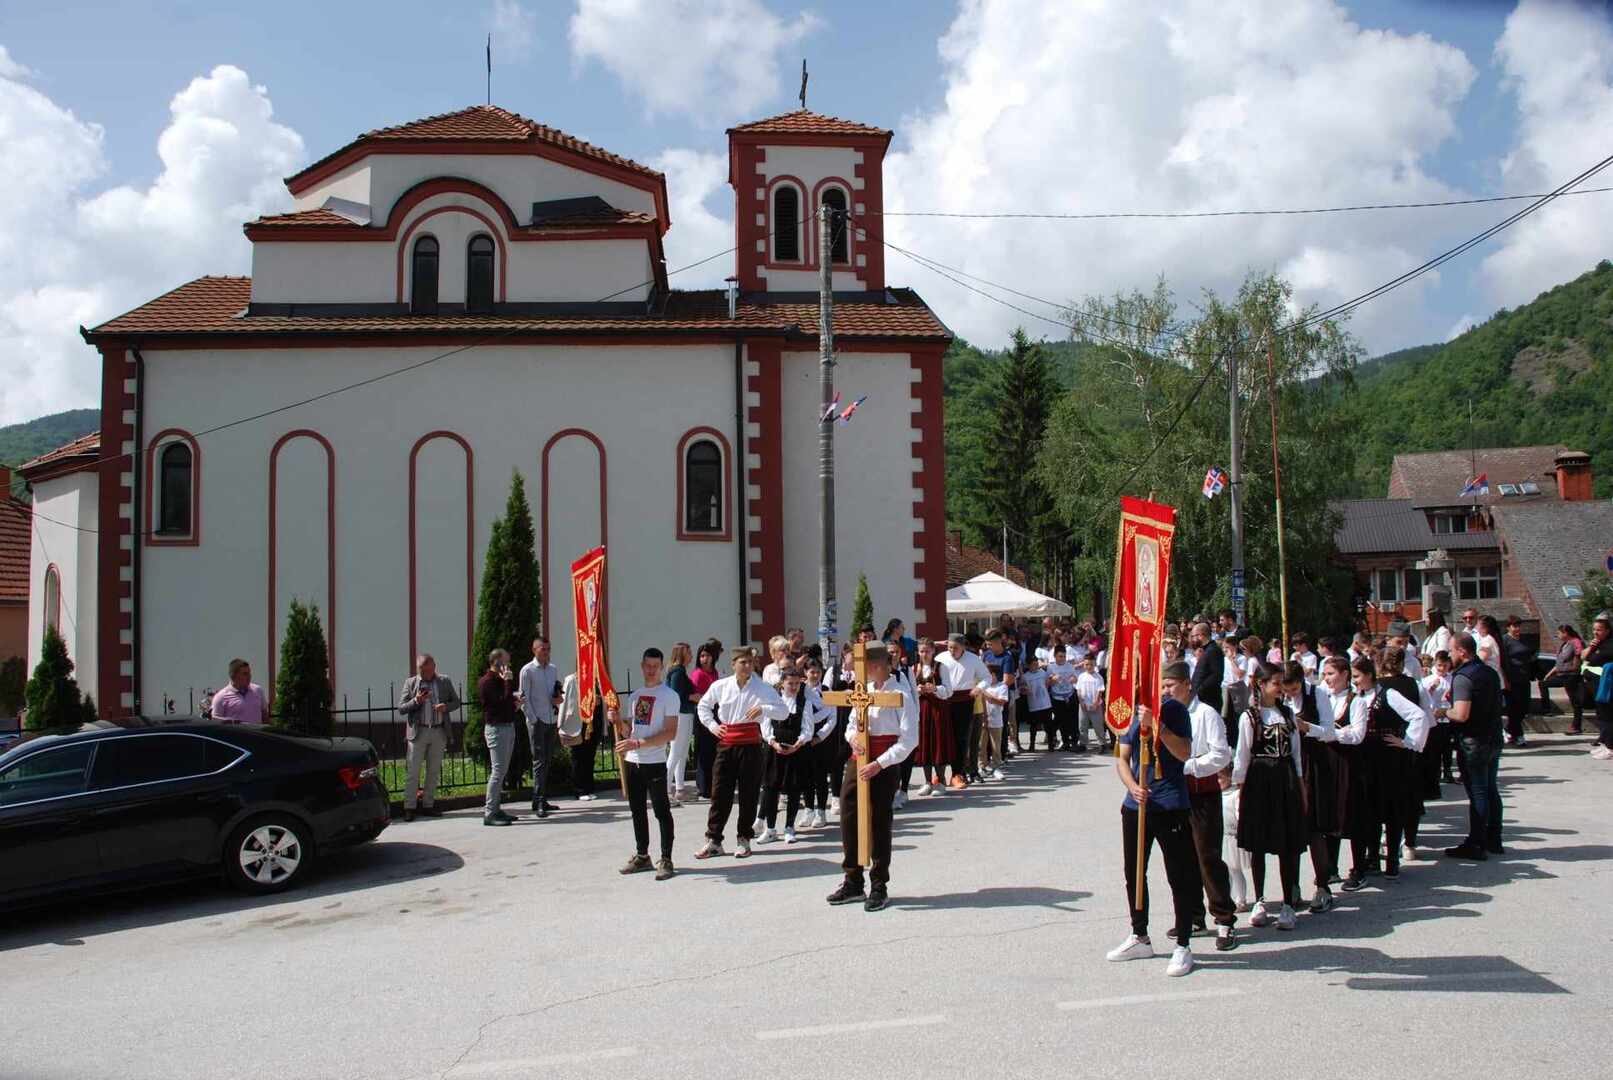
[[1277, 484], [1143, 749]]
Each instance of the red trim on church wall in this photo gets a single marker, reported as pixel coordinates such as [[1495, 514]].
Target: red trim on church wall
[[871, 171], [492, 231], [470, 541], [149, 495], [727, 533], [745, 164], [767, 570], [543, 528], [929, 507], [329, 614], [114, 486]]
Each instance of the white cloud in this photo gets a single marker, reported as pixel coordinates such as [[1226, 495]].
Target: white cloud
[[698, 57], [1114, 105], [70, 255], [514, 27], [9, 68], [1558, 60], [694, 180]]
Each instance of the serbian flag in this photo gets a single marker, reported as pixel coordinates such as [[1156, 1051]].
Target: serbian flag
[[1142, 573], [588, 606], [1479, 485], [830, 409], [1214, 481], [845, 417]]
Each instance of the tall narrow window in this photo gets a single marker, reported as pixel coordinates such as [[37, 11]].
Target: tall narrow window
[[786, 224], [835, 200], [423, 280], [53, 598], [174, 478], [702, 488], [479, 276]]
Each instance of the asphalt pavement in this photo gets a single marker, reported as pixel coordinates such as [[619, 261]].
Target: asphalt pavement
[[448, 950]]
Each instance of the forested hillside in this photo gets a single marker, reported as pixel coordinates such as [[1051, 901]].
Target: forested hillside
[[20, 442]]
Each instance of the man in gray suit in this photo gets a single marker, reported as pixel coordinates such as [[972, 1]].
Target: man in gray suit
[[427, 706]]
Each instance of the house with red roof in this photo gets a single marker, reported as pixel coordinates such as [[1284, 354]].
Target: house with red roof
[[467, 296]]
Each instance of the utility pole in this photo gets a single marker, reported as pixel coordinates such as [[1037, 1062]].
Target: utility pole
[[1235, 485], [1277, 486], [1005, 549], [827, 614]]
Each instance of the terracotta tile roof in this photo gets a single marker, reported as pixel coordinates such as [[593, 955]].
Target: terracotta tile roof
[[1552, 544], [318, 216], [480, 123], [16, 541], [217, 305], [807, 122], [83, 446], [965, 562], [1437, 478], [322, 218]]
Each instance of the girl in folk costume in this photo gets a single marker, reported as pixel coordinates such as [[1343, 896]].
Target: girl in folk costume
[[842, 676], [1319, 709], [820, 755], [789, 754], [935, 720], [1271, 801], [1407, 759], [901, 673]]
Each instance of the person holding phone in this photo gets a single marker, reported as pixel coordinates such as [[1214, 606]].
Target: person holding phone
[[427, 707], [496, 693]]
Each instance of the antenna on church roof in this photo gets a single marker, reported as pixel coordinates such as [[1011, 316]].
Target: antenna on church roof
[[803, 82]]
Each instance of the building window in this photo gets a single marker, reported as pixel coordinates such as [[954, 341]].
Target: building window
[[423, 280], [786, 224], [1411, 589], [702, 487], [53, 598], [835, 200], [1478, 582], [479, 276], [175, 477], [1386, 586], [1450, 523]]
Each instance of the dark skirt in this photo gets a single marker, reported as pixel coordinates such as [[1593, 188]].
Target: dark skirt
[[1271, 809], [1385, 785], [789, 772], [1327, 787], [936, 743]]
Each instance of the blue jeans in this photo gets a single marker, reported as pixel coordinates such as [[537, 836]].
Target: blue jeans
[[1481, 767], [500, 745]]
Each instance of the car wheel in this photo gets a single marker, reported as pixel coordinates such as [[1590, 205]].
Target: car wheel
[[268, 854]]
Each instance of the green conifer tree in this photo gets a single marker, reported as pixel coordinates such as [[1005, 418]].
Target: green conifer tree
[[302, 690], [52, 693], [508, 609], [862, 611]]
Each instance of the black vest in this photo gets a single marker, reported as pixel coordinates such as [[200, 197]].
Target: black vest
[[1274, 741], [1383, 720], [787, 732]]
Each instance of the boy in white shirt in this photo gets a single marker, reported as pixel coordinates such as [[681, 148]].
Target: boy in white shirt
[[1089, 697], [1033, 684], [991, 732], [1061, 676], [643, 732]]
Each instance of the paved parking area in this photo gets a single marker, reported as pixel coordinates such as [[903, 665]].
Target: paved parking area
[[448, 950]]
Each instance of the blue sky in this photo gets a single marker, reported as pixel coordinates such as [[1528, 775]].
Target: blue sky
[[1056, 105]]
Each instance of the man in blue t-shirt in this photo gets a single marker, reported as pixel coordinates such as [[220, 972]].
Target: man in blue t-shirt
[[1167, 821]]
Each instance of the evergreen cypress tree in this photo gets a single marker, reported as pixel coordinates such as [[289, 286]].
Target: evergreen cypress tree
[[862, 611], [52, 693], [302, 691], [1021, 389], [508, 608]]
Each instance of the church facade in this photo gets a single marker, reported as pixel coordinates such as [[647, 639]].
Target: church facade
[[465, 297]]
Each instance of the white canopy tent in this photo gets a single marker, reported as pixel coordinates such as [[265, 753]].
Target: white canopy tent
[[993, 594]]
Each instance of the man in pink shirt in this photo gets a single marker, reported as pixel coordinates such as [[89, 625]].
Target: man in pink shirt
[[242, 701]]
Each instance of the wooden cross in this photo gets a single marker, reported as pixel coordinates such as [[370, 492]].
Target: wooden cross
[[859, 698]]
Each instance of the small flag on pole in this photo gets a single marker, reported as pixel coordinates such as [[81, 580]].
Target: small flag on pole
[[1214, 481], [830, 409], [1479, 485], [845, 417]]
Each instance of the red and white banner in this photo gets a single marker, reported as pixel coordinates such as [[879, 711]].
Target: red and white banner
[[1142, 575], [588, 607]]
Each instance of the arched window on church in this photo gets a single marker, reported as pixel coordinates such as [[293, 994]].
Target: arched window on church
[[479, 275], [702, 487], [175, 488], [835, 200], [53, 598], [423, 277], [786, 224]]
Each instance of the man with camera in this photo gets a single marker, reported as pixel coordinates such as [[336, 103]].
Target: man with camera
[[427, 706]]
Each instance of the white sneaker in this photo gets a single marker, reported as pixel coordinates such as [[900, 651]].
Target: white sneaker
[[743, 850], [1285, 918], [900, 800], [766, 836], [925, 790], [1601, 753], [789, 836], [1181, 962], [998, 775], [823, 819], [758, 827], [1133, 948], [1262, 915], [585, 798], [834, 807]]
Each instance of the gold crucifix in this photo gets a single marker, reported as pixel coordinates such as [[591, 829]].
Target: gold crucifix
[[859, 698]]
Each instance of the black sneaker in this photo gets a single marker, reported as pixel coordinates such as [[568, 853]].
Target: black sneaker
[[1322, 901], [408, 815], [850, 892], [876, 900], [491, 820], [1226, 939], [541, 812], [1353, 882], [1463, 851], [1200, 926], [1391, 872], [506, 818]]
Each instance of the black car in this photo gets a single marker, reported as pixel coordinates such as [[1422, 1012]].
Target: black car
[[114, 804]]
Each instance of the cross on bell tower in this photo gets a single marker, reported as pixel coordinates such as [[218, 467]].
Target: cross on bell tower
[[803, 82]]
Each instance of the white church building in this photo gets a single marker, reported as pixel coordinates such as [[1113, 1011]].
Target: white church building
[[463, 297]]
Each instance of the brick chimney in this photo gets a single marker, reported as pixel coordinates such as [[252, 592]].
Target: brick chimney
[[1574, 476]]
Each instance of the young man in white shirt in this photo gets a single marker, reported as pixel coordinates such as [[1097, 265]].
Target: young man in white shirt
[[538, 694], [965, 676], [1033, 684], [732, 709], [1089, 693], [643, 735], [1061, 677], [1202, 772]]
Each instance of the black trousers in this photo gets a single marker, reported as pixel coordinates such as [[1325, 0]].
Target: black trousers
[[1517, 704], [1041, 718], [1324, 859], [1287, 867], [1065, 713], [1174, 831], [881, 792], [705, 756], [737, 768], [963, 710], [582, 759], [1204, 816], [649, 782], [545, 740], [792, 806]]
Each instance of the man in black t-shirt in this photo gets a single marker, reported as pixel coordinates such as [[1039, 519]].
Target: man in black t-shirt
[[1476, 707]]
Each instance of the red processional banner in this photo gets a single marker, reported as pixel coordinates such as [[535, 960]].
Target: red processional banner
[[1142, 573], [588, 606]]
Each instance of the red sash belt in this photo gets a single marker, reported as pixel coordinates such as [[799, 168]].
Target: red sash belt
[[1204, 785], [878, 744], [737, 734]]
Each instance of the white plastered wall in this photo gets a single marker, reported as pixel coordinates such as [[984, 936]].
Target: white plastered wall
[[66, 517], [811, 165]]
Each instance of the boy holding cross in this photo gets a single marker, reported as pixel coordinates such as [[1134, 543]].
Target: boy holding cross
[[892, 732]]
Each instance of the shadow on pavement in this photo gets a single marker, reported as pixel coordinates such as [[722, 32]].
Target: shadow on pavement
[[1373, 969], [1008, 897], [68, 922]]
